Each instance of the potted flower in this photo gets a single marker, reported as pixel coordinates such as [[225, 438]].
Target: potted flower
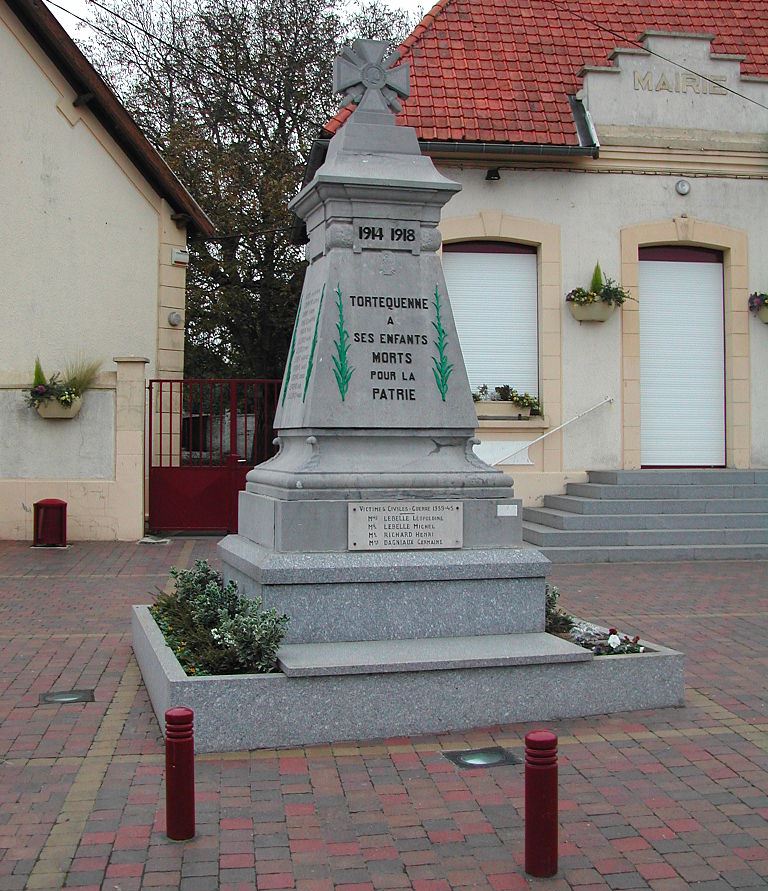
[[505, 401], [597, 303], [57, 397], [758, 304]]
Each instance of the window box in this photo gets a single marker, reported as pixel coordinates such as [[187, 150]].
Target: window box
[[52, 408], [599, 311]]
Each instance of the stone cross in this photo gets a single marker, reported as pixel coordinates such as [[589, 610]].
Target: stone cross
[[363, 75]]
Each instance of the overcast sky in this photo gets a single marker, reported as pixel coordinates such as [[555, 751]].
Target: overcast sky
[[80, 7]]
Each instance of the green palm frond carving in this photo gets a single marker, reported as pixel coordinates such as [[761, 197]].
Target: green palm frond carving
[[441, 367], [311, 361], [287, 381], [342, 370]]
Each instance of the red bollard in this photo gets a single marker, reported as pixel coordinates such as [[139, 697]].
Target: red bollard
[[179, 774], [541, 803]]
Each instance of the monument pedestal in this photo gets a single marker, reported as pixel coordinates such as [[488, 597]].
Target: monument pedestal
[[389, 596]]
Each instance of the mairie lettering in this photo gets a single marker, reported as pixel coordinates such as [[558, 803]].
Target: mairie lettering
[[679, 82]]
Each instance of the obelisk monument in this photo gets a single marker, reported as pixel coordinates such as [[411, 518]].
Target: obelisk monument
[[376, 520]]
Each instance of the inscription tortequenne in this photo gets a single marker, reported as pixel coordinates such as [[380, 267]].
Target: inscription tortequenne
[[394, 374], [405, 525]]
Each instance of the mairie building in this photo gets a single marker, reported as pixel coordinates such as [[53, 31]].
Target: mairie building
[[630, 135]]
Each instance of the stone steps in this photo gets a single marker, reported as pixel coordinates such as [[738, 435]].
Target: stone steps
[[655, 553], [637, 491], [544, 536], [426, 654], [640, 515], [576, 504], [563, 519], [684, 477]]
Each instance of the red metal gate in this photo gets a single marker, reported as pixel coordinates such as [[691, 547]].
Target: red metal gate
[[203, 438]]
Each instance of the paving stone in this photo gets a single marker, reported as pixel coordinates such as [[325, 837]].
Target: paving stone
[[642, 794]]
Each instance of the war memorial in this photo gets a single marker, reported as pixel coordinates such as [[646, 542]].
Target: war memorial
[[394, 550]]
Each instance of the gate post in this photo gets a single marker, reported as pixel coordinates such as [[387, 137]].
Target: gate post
[[130, 412], [233, 454]]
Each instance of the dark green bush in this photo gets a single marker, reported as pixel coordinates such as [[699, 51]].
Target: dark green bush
[[558, 621], [212, 629]]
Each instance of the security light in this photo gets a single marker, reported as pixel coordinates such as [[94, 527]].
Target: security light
[[63, 697], [494, 756]]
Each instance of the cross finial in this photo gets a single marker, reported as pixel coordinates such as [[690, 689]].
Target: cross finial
[[363, 75]]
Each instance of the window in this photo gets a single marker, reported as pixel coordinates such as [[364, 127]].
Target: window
[[493, 291]]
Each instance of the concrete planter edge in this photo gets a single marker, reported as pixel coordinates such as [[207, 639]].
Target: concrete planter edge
[[241, 712]]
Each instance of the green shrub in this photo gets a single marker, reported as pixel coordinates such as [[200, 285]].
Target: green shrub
[[80, 374], [558, 621], [212, 629], [596, 284], [39, 377]]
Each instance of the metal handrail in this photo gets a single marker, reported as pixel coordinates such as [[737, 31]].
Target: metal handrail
[[554, 430]]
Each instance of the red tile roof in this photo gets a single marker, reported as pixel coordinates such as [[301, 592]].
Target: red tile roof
[[501, 70]]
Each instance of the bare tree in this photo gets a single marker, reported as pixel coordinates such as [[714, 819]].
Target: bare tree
[[232, 93]]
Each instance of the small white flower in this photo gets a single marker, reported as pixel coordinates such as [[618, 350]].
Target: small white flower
[[614, 641]]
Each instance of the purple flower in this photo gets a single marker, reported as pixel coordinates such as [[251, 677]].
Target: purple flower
[[757, 301]]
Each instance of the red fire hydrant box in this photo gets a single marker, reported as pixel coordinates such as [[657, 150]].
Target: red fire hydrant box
[[50, 520]]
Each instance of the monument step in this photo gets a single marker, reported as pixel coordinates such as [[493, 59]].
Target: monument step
[[426, 654], [679, 477], [546, 536], [564, 519], [655, 553], [594, 506]]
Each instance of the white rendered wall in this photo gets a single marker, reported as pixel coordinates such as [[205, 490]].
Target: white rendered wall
[[78, 239], [591, 209], [85, 270]]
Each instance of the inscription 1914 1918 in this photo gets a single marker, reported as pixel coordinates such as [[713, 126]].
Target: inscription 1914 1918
[[386, 235]]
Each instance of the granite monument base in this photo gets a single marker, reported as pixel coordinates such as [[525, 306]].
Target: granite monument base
[[378, 595], [437, 687]]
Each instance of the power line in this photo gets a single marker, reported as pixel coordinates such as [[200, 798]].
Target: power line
[[639, 44], [81, 19], [217, 72]]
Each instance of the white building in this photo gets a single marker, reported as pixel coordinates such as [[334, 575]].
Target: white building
[[93, 228], [637, 141]]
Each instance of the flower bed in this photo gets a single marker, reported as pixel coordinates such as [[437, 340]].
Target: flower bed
[[601, 641]]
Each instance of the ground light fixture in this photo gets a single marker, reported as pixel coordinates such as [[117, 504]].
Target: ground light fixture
[[493, 756], [65, 697]]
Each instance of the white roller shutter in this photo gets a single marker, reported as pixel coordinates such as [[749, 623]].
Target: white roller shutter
[[494, 300], [682, 364]]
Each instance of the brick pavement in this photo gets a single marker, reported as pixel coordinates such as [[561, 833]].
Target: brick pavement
[[666, 799]]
